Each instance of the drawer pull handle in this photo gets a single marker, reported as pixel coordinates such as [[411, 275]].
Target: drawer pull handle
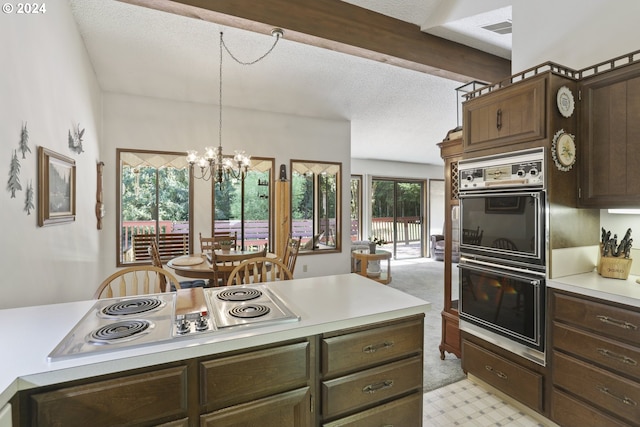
[[372, 388], [620, 323], [623, 399], [497, 373], [372, 348], [499, 119], [620, 357]]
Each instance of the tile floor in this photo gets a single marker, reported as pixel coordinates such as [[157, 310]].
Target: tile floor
[[465, 403]]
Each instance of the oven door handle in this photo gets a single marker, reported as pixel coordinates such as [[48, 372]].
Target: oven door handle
[[493, 269]]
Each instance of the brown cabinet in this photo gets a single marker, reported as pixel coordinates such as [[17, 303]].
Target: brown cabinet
[[451, 152], [510, 115], [609, 139], [148, 398], [507, 375], [595, 357], [365, 370], [347, 377]]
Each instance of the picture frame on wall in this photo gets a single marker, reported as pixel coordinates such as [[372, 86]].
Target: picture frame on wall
[[56, 188]]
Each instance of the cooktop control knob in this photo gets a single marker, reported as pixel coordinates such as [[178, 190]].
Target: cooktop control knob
[[202, 324], [520, 172], [183, 326], [533, 172]]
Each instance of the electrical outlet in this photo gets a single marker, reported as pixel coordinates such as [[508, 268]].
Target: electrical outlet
[[304, 268]]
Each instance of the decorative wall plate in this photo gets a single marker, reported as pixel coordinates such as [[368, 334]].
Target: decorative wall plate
[[563, 150], [565, 101]]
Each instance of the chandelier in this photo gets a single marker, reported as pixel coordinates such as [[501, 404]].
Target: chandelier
[[214, 163]]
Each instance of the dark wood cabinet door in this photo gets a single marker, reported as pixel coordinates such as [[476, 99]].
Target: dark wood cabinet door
[[510, 115], [402, 412], [609, 144], [291, 409], [135, 400]]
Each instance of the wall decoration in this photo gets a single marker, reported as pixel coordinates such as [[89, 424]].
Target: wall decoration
[[75, 139], [563, 150], [28, 202], [565, 101], [24, 140], [99, 195], [13, 184], [56, 188]]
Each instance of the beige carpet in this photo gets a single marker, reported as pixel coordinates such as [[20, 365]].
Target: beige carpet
[[423, 279]]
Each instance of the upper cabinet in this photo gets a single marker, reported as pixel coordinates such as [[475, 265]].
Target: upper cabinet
[[510, 115], [610, 139]]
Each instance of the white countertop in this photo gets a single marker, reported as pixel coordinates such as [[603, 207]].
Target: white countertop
[[323, 303], [593, 285]]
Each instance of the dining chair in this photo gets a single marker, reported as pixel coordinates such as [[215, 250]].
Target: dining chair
[[209, 244], [154, 252], [138, 280], [290, 254], [224, 264], [259, 270]]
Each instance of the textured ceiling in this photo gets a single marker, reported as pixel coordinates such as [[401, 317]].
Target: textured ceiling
[[395, 113]]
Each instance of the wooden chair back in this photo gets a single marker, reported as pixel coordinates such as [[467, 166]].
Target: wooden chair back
[[291, 253], [504, 243], [259, 270], [209, 244], [138, 280], [223, 264]]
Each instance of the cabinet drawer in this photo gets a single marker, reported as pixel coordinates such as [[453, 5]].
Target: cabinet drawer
[[511, 115], [291, 409], [514, 380], [131, 400], [608, 320], [357, 350], [611, 354], [351, 392], [570, 412], [402, 412], [235, 379], [599, 387]]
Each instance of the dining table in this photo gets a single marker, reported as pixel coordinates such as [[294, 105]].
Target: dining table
[[199, 266]]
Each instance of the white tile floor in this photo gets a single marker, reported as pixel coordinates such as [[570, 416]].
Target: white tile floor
[[465, 403]]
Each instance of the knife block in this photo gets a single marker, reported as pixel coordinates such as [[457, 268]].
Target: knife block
[[614, 267]]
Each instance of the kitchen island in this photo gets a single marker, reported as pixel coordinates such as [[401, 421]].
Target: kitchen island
[[336, 312]]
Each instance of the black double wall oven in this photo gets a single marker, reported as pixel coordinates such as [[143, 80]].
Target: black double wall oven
[[503, 250]]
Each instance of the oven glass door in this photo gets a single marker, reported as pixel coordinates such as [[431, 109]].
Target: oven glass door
[[504, 225], [508, 303]]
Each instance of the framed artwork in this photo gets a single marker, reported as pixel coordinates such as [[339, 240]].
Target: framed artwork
[[508, 204], [56, 188]]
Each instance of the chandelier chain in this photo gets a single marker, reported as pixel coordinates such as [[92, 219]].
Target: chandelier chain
[[223, 44]]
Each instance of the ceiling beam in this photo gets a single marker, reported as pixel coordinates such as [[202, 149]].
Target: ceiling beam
[[343, 27]]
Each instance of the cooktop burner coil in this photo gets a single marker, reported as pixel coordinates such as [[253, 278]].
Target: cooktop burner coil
[[239, 294], [249, 311], [132, 306], [120, 331]]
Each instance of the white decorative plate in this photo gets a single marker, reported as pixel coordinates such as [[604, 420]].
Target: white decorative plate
[[563, 150], [565, 101]]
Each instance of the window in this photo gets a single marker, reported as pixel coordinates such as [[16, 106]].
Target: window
[[244, 206], [356, 207], [315, 204], [154, 201]]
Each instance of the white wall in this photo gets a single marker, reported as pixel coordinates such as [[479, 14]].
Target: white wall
[[47, 81], [147, 123]]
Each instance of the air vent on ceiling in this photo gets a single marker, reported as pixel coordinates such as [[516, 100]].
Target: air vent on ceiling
[[503, 27]]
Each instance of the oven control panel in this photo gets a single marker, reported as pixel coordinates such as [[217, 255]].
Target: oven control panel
[[521, 169]]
